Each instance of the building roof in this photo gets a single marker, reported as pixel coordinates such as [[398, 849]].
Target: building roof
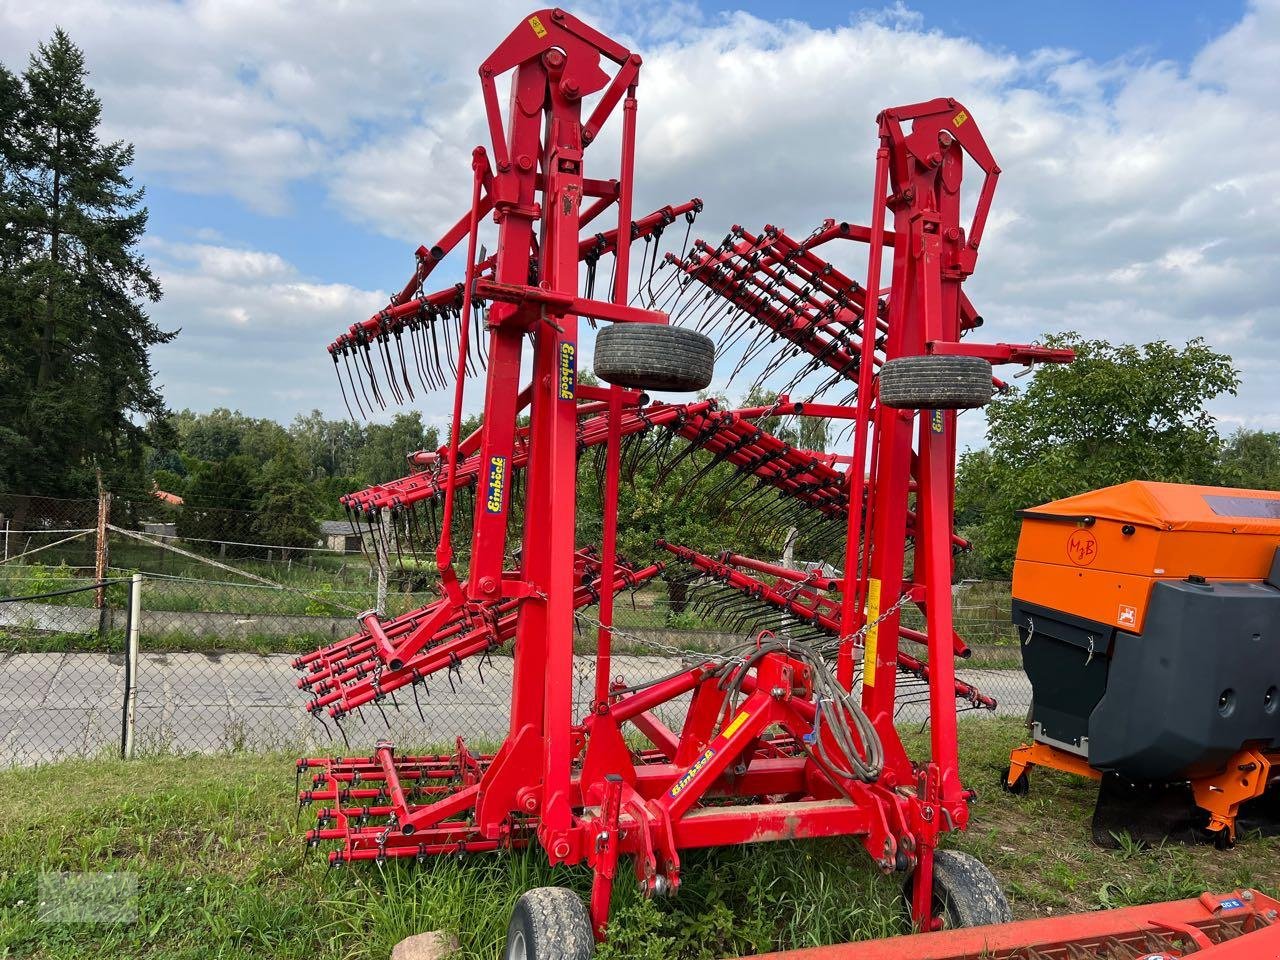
[[336, 528]]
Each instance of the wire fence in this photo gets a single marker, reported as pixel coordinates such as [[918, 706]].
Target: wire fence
[[205, 664]]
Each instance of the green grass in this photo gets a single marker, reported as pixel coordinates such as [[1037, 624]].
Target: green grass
[[222, 874]]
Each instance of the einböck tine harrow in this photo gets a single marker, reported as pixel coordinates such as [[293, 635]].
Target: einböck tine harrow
[[790, 734]]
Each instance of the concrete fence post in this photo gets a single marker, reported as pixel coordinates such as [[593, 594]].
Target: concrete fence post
[[131, 665], [384, 563]]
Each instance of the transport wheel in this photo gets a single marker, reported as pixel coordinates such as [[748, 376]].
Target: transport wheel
[[549, 923], [1221, 839], [1020, 787], [935, 382], [965, 894], [654, 356]]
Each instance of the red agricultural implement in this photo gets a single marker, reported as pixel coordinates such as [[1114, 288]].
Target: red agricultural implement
[[1237, 926], [789, 734]]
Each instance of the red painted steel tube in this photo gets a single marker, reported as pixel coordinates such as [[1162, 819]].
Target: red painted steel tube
[[444, 552], [814, 581], [386, 760], [851, 610], [381, 641], [613, 448]]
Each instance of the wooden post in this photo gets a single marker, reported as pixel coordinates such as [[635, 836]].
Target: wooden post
[[101, 553]]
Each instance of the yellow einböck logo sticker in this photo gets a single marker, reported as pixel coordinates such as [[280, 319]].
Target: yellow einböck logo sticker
[[496, 488], [680, 785], [568, 370], [957, 121]]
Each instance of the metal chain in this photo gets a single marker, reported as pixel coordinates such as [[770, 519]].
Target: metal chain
[[861, 632]]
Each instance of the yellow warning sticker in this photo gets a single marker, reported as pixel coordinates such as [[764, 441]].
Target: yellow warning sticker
[[958, 120], [734, 724], [873, 611], [540, 31]]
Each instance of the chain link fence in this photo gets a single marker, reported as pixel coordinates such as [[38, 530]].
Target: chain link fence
[[210, 668]]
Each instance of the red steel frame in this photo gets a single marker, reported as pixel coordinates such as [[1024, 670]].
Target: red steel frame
[[577, 789], [1241, 925]]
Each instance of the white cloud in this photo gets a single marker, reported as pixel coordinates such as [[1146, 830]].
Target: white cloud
[[1138, 199], [253, 330]]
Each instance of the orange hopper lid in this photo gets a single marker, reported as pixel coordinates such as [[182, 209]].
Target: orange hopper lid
[[1173, 506]]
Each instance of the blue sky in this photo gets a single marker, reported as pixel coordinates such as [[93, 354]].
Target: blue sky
[[1099, 29], [294, 156]]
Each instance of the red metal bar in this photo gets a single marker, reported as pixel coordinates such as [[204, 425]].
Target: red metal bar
[[1240, 932], [613, 449], [851, 610]]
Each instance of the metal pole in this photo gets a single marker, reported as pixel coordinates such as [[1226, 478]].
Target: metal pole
[[131, 664], [6, 539], [380, 547], [613, 447]]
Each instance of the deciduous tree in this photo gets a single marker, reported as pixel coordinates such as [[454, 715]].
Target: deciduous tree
[[1120, 412], [76, 384]]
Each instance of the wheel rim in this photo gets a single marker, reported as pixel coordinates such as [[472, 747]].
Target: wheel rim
[[516, 947], [943, 909]]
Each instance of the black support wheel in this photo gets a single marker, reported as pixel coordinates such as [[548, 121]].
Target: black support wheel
[[1020, 787], [549, 923], [965, 893], [935, 382], [1221, 839], [654, 356]]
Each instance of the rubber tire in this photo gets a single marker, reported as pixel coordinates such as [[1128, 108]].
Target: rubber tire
[[935, 382], [549, 923], [654, 356], [965, 894], [1020, 787]]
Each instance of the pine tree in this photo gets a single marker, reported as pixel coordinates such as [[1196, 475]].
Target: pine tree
[[77, 383]]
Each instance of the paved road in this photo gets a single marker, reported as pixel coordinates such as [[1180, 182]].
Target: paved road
[[55, 705]]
